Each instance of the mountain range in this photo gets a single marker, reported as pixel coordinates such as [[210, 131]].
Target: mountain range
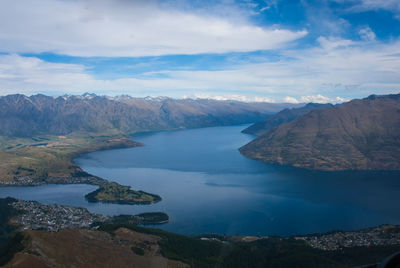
[[284, 116], [24, 116], [358, 135]]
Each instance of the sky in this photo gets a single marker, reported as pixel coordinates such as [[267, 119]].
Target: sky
[[250, 50]]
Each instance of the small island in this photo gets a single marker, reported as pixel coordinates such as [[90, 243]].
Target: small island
[[115, 193]]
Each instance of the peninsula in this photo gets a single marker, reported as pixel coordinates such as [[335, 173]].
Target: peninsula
[[362, 134], [49, 160], [41, 135]]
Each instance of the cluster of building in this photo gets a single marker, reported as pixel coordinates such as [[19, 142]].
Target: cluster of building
[[36, 216], [22, 181], [76, 180], [382, 235], [29, 181]]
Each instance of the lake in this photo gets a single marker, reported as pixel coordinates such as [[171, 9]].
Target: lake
[[207, 186]]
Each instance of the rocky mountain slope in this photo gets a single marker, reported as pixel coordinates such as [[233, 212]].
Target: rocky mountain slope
[[282, 117], [25, 116], [359, 135]]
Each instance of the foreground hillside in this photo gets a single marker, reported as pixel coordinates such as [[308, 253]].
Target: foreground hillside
[[89, 248], [359, 135], [284, 116], [24, 116], [121, 244], [132, 246]]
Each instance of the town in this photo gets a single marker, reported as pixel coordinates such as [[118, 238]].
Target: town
[[33, 215], [36, 216], [377, 236], [29, 181]]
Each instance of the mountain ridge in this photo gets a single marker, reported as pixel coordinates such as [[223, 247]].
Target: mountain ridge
[[25, 116], [359, 135], [284, 116]]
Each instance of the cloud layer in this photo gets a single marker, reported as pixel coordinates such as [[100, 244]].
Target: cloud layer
[[337, 68], [128, 29], [216, 49]]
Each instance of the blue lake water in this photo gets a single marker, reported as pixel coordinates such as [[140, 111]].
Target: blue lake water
[[207, 186]]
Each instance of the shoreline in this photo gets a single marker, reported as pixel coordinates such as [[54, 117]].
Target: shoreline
[[75, 175], [383, 234], [34, 215], [56, 226], [84, 180]]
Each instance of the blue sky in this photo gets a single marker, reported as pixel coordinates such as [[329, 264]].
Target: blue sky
[[264, 50]]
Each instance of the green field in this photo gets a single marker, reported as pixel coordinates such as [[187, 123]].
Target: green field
[[51, 156], [116, 193], [41, 158]]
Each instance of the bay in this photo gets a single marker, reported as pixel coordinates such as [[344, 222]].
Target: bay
[[207, 186]]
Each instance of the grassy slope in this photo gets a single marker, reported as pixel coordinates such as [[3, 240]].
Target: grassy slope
[[51, 155]]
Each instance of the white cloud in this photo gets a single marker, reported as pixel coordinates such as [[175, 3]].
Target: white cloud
[[359, 66], [390, 5], [315, 99], [318, 74], [321, 99], [27, 74], [127, 28], [269, 4], [332, 43], [235, 97], [367, 34], [289, 99], [358, 6]]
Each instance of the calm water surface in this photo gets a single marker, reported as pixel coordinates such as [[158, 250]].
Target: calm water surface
[[208, 187]]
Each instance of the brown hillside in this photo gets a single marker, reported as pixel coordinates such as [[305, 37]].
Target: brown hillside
[[359, 135], [86, 249]]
